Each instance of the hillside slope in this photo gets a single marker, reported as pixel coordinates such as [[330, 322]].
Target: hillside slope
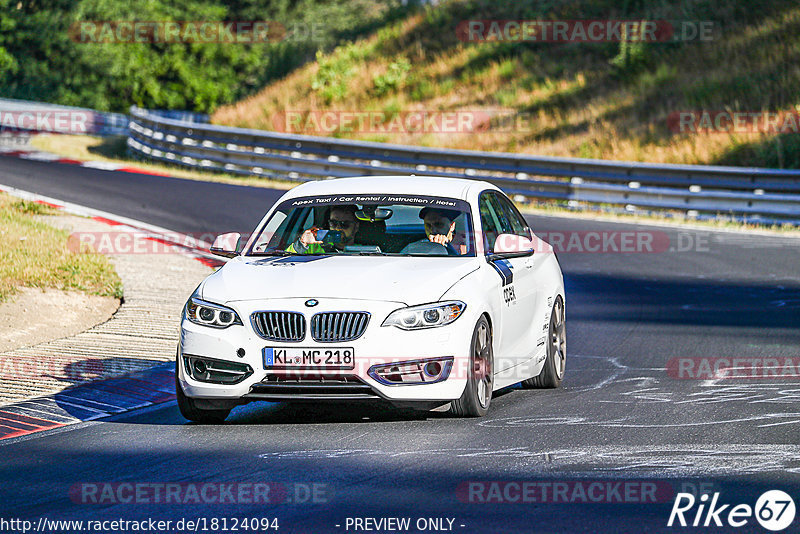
[[86, 53], [598, 100]]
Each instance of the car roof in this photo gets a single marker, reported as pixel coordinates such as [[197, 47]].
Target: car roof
[[407, 185]]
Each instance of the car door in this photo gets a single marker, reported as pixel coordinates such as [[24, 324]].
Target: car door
[[516, 287], [533, 331]]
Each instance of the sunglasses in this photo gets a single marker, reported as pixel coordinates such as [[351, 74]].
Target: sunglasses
[[340, 224]]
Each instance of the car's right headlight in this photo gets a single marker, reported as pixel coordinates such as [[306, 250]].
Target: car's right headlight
[[426, 315], [209, 314]]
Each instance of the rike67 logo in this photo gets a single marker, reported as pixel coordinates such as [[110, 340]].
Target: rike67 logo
[[774, 510]]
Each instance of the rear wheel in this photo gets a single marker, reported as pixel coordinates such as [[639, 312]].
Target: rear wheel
[[556, 361], [189, 409], [477, 396]]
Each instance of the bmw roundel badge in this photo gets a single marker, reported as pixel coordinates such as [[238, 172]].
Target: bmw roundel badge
[[312, 302]]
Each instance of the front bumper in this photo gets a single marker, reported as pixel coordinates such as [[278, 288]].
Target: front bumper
[[241, 345]]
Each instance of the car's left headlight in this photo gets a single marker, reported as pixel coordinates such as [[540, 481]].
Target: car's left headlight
[[209, 314], [426, 315]]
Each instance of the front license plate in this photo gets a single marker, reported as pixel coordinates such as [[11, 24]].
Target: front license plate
[[299, 357]]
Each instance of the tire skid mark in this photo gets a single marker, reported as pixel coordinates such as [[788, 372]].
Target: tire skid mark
[[662, 460]]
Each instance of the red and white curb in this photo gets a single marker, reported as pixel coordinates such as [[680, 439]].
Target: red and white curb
[[182, 243], [89, 401], [38, 155]]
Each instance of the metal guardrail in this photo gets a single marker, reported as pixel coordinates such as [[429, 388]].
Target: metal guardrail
[[28, 116], [24, 115], [754, 193]]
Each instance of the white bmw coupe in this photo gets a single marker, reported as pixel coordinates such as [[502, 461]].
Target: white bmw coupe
[[367, 289]]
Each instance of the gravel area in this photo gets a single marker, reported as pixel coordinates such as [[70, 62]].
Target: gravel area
[[140, 334]]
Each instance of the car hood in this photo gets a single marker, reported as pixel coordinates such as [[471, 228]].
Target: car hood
[[405, 280]]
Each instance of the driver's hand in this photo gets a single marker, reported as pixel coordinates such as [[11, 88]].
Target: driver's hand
[[310, 236], [441, 239]]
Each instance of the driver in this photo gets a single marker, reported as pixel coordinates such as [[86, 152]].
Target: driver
[[341, 219]]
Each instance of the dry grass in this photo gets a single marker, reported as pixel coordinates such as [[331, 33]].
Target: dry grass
[[34, 254], [569, 100]]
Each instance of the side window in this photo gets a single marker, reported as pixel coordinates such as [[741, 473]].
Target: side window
[[271, 234], [490, 225], [300, 220], [517, 223], [461, 236], [503, 219]]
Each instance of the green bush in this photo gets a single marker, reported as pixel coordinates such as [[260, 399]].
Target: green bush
[[335, 71], [393, 78], [632, 57], [39, 60]]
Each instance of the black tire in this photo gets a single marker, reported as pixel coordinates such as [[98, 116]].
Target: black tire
[[556, 361], [477, 396], [189, 408]]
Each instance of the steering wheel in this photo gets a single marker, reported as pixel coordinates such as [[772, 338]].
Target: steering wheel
[[424, 246]]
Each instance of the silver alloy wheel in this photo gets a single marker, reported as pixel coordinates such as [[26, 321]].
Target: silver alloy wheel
[[482, 366], [558, 339]]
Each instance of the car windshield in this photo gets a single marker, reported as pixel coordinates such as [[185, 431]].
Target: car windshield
[[396, 225]]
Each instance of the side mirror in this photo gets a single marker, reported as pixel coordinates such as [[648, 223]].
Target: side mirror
[[226, 245], [510, 246]]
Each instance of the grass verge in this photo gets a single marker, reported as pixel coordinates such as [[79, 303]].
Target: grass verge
[[34, 254]]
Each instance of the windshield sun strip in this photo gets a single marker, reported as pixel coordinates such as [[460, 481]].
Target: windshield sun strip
[[458, 205]]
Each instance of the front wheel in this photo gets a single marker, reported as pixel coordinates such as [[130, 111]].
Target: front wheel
[[474, 402], [189, 408], [556, 361]]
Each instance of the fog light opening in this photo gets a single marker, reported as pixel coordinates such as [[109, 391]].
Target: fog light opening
[[433, 369], [216, 371], [200, 367]]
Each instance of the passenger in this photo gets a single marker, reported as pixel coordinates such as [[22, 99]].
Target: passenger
[[439, 224], [440, 228]]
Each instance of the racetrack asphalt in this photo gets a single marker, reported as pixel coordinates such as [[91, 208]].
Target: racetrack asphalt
[[620, 415]]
